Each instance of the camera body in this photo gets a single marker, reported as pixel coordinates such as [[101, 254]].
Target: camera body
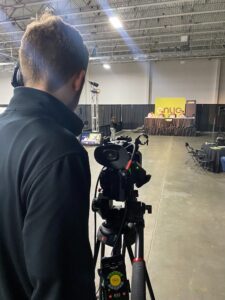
[[122, 168]]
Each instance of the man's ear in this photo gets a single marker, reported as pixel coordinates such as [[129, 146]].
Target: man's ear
[[78, 80]]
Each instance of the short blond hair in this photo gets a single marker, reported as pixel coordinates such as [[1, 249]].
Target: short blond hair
[[51, 49]]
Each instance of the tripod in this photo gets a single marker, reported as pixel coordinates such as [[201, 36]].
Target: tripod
[[121, 236]]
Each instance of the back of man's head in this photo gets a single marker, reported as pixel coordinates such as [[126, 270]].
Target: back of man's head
[[51, 51]]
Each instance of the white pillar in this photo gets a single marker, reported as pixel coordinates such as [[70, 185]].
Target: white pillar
[[217, 81]]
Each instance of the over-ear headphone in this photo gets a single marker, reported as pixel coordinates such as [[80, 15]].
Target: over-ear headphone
[[17, 77]]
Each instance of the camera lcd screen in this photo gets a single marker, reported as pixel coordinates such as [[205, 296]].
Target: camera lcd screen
[[90, 138]]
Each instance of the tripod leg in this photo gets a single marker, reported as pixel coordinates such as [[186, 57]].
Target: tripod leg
[[101, 296], [130, 252], [149, 285], [96, 252], [147, 279], [102, 250], [97, 246], [139, 273], [124, 249], [138, 287]]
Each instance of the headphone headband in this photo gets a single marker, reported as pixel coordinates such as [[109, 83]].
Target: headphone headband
[[17, 77]]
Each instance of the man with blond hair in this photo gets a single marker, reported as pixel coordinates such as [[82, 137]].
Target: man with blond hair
[[45, 178]]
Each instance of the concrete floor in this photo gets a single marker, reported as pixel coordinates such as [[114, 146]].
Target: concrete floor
[[184, 237]]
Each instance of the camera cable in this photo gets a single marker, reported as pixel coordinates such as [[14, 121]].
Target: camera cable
[[95, 213], [120, 230]]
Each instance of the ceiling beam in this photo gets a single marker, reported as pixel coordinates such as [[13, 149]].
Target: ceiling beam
[[106, 21], [156, 36], [125, 45], [148, 49], [156, 44], [156, 27], [153, 17], [174, 48], [96, 9], [134, 29], [199, 54], [128, 57], [137, 37]]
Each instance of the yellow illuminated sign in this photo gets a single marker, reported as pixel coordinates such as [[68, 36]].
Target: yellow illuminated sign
[[169, 106]]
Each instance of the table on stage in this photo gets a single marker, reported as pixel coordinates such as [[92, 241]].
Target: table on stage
[[214, 154], [170, 126]]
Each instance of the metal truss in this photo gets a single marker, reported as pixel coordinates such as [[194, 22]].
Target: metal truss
[[152, 29]]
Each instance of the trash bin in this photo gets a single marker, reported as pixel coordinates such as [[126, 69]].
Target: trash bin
[[222, 159]]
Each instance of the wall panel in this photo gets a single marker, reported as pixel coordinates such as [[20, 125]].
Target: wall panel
[[194, 80]]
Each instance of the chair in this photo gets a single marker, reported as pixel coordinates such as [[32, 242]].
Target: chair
[[201, 157]]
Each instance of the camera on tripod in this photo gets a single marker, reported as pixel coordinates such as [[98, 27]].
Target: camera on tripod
[[124, 225], [122, 169]]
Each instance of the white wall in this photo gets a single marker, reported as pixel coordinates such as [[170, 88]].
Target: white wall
[[125, 83], [222, 84], [129, 83], [6, 90], [196, 79]]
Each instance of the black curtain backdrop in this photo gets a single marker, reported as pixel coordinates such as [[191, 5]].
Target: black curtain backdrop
[[107, 111], [133, 115], [221, 118], [208, 116], [84, 112]]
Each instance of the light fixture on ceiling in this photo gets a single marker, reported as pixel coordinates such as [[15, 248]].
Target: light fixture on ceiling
[[116, 23], [7, 63], [140, 56], [106, 66], [184, 38]]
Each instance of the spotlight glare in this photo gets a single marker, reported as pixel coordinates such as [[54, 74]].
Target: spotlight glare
[[116, 23], [107, 66]]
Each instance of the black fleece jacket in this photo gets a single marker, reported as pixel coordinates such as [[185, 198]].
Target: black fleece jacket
[[44, 202]]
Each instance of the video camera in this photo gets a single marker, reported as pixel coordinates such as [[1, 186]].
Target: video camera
[[122, 169], [124, 224]]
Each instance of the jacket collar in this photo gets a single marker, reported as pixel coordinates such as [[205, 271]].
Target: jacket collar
[[36, 101]]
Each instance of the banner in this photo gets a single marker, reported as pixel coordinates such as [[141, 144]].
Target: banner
[[169, 106]]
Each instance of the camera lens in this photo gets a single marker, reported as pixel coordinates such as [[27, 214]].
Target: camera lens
[[111, 155]]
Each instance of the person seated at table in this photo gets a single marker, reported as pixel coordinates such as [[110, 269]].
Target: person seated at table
[[161, 115], [181, 114], [172, 116], [151, 115], [113, 126]]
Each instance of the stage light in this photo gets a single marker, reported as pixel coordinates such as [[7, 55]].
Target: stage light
[[116, 23], [107, 66]]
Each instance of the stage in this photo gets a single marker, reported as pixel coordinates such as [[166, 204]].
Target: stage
[[170, 126]]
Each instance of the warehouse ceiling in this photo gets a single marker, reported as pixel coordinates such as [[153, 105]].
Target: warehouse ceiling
[[151, 30]]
